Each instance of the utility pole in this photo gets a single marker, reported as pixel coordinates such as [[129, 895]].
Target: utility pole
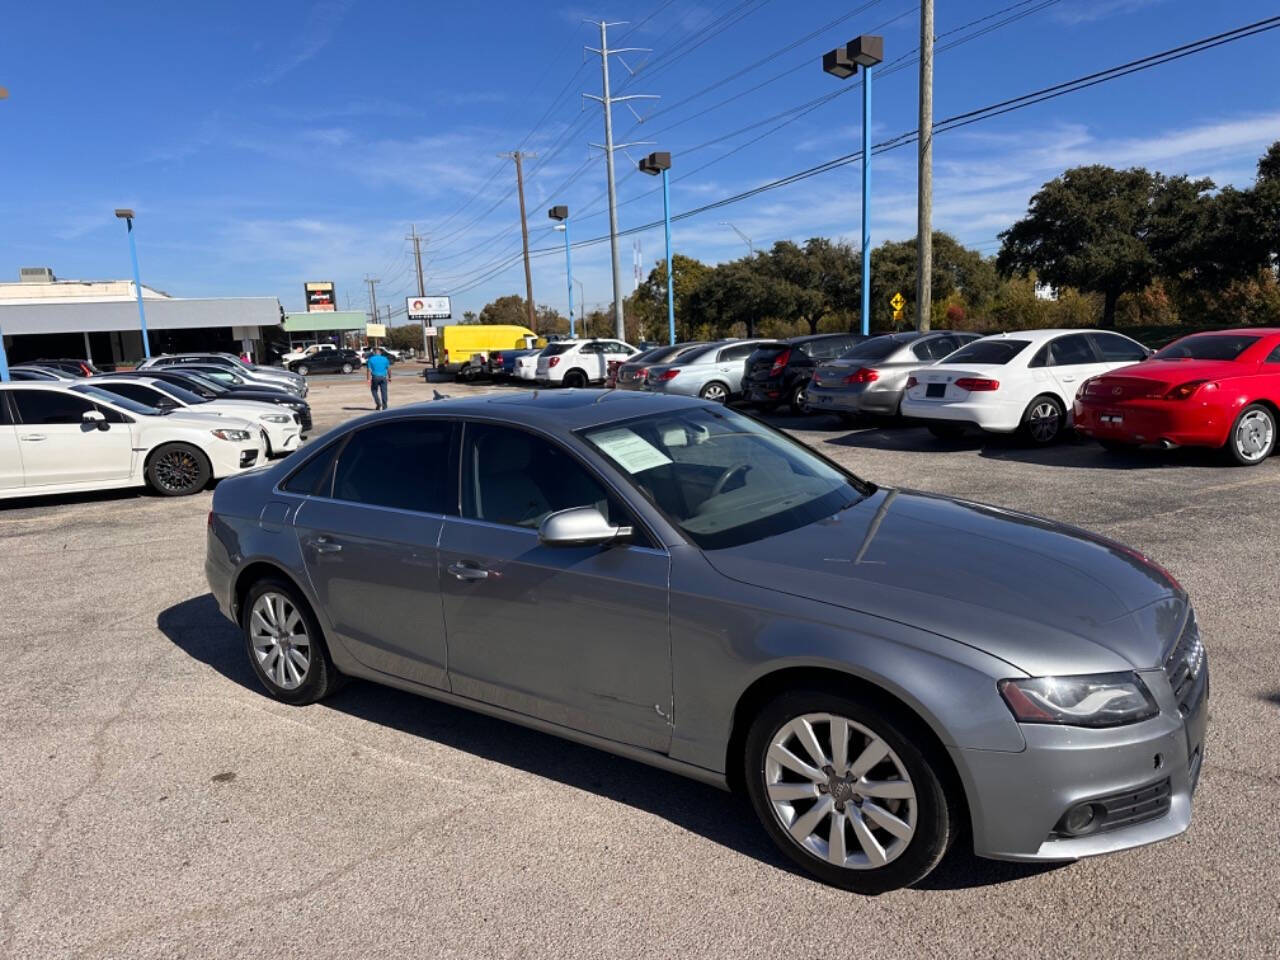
[[422, 289], [607, 101], [524, 232], [373, 297], [924, 195]]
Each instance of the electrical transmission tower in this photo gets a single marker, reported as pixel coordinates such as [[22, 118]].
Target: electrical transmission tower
[[607, 100]]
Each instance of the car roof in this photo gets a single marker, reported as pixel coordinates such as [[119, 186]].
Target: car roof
[[559, 410], [1041, 336]]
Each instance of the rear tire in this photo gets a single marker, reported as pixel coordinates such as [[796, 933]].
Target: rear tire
[[796, 399], [178, 470], [1043, 420], [891, 838], [284, 643], [575, 379], [1253, 436]]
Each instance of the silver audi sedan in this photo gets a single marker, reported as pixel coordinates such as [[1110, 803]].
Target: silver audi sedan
[[871, 378], [712, 372], [882, 671]]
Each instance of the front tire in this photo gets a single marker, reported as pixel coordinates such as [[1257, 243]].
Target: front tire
[[346, 368], [178, 470], [715, 391], [302, 369], [1253, 436], [849, 790], [1043, 420], [285, 646]]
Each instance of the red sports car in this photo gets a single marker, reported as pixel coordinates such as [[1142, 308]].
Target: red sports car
[[1219, 389]]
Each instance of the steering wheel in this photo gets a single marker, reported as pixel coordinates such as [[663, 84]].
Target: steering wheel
[[726, 476]]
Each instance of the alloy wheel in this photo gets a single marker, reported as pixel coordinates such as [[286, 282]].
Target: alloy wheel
[[280, 642], [715, 393], [177, 470], [1044, 421], [1254, 435], [840, 792]]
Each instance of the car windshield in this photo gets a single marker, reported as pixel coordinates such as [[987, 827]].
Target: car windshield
[[723, 478], [1216, 346], [205, 383], [877, 348], [995, 351], [124, 403]]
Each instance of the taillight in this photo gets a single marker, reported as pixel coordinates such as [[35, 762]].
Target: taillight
[[497, 359], [1186, 390], [863, 375], [779, 363], [911, 382], [977, 384], [445, 356], [553, 361], [669, 374], [642, 373]]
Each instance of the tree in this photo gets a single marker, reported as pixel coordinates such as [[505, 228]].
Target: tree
[[960, 276], [469, 316], [506, 310], [648, 305], [407, 336], [1089, 229]]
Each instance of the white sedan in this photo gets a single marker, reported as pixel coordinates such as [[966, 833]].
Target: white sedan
[[1014, 381], [63, 438], [577, 363], [282, 427]]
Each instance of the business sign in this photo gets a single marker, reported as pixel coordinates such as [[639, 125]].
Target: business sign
[[375, 331], [320, 297], [428, 308]]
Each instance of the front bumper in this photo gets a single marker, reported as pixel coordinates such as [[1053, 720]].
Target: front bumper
[[1151, 421], [1017, 799], [227, 457]]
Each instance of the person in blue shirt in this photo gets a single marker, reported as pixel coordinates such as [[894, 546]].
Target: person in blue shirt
[[378, 371]]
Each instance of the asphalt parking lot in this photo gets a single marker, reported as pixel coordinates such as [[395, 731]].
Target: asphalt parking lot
[[155, 803]]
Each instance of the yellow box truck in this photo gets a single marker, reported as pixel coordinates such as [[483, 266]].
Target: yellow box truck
[[464, 348]]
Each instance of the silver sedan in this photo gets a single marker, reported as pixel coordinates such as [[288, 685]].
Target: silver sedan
[[883, 672], [713, 372], [871, 378]]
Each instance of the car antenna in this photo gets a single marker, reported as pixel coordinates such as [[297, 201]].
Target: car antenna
[[437, 395]]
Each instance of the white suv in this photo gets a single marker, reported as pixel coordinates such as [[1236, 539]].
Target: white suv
[[577, 363]]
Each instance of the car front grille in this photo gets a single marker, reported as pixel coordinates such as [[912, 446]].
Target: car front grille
[[1184, 666]]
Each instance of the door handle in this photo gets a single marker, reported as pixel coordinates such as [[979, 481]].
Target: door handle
[[33, 437], [468, 571], [325, 545]]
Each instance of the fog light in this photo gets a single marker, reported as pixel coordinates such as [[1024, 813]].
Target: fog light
[[1082, 819]]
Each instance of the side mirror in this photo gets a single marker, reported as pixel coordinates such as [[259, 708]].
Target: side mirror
[[96, 419], [579, 526]]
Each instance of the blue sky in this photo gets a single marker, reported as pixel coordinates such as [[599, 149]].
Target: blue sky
[[267, 144]]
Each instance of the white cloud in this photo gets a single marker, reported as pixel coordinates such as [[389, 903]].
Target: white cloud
[[317, 31], [1087, 11]]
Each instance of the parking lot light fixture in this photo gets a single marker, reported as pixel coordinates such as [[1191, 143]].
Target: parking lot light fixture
[[864, 51], [659, 162], [561, 213], [127, 216]]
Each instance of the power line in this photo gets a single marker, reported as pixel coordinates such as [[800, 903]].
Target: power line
[[950, 123]]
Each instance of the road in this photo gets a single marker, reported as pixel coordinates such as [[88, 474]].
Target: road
[[155, 803]]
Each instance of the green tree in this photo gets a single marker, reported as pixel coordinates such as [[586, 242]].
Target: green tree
[[1092, 228], [647, 307], [507, 310], [961, 277], [469, 316]]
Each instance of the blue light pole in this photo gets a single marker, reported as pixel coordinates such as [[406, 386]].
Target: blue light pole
[[4, 361], [655, 163], [561, 213], [127, 217], [843, 62]]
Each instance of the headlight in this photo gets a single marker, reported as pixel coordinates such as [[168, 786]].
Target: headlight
[[237, 436], [1101, 700], [276, 418]]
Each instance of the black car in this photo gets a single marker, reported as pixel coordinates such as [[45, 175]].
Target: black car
[[777, 373], [326, 361], [211, 390], [77, 368]]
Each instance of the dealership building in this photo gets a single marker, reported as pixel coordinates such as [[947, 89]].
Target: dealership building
[[42, 316]]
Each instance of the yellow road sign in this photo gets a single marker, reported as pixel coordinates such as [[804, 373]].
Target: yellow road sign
[[897, 301], [897, 314]]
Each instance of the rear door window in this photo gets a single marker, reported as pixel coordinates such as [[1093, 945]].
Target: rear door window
[[1070, 351], [738, 351], [403, 464]]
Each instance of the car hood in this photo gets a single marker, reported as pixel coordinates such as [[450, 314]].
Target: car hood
[[185, 417], [1044, 597]]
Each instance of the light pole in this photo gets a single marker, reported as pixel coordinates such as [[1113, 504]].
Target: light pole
[[843, 62], [561, 213], [751, 247], [659, 162], [127, 217]]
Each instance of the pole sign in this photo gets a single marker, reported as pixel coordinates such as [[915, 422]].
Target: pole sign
[[428, 308], [375, 331], [320, 297]]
